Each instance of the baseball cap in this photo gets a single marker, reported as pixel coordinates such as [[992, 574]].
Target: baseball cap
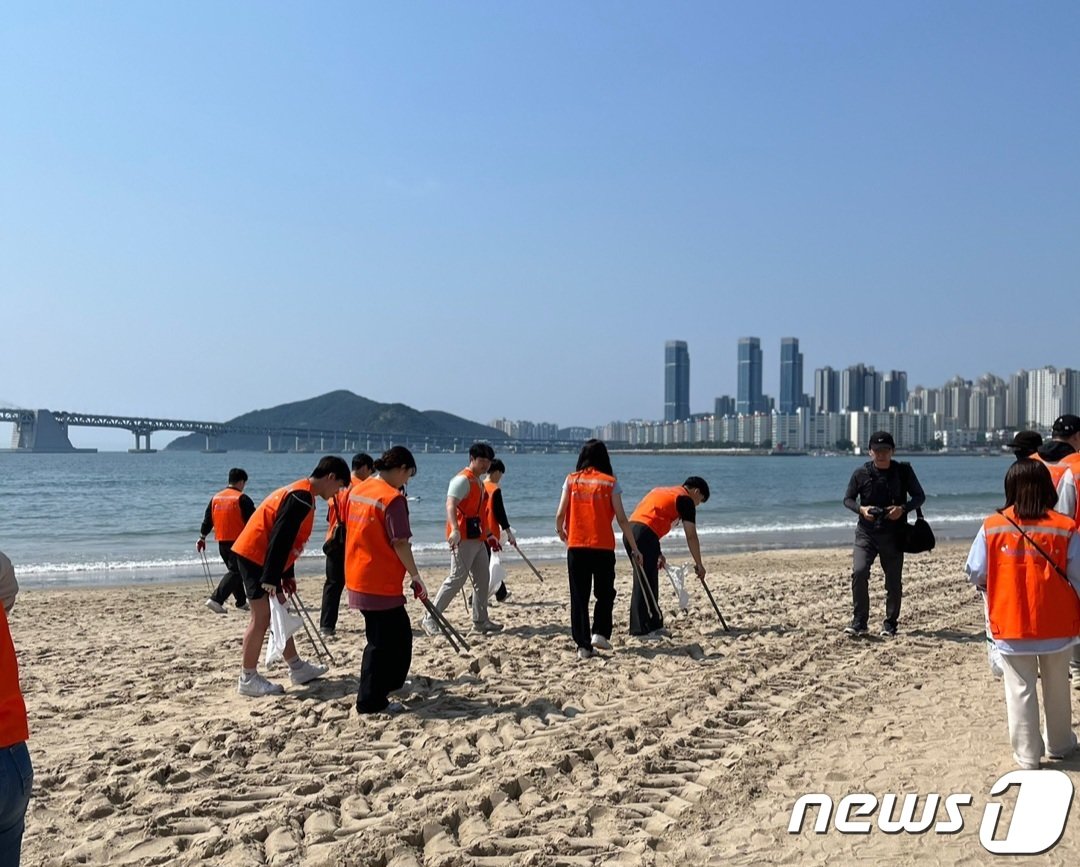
[[1066, 425], [882, 439], [1025, 441]]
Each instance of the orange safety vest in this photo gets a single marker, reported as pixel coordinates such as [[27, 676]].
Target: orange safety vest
[[371, 563], [473, 506], [338, 509], [489, 510], [657, 510], [13, 728], [254, 541], [1072, 462], [226, 515], [589, 510], [1027, 598]]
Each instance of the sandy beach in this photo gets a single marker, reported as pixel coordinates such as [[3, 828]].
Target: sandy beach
[[689, 750]]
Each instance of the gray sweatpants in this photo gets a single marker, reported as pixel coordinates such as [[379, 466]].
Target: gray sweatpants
[[470, 559]]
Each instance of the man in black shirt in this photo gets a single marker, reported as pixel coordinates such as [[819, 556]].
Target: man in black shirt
[[879, 493]]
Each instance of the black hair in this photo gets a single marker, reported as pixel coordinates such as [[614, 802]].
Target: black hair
[[396, 457], [700, 484], [481, 450], [497, 466], [361, 460], [332, 465], [594, 454], [237, 475], [1029, 488]]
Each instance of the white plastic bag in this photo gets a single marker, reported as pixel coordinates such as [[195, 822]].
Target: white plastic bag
[[496, 574], [993, 655], [678, 575], [283, 623]]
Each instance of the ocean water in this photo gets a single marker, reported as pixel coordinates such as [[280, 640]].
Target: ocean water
[[118, 518]]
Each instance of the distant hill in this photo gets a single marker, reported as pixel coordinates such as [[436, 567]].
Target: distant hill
[[344, 411]]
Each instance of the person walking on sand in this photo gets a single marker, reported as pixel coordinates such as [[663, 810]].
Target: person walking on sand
[[1026, 559], [378, 561], [591, 499], [881, 492], [226, 514], [655, 515], [469, 540], [266, 552], [16, 770], [497, 520], [334, 546]]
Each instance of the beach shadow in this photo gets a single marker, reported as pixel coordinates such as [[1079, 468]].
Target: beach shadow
[[547, 630], [953, 635]]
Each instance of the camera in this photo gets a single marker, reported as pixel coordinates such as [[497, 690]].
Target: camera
[[877, 512]]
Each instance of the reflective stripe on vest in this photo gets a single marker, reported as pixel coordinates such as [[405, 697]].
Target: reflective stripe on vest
[[254, 541], [226, 515], [657, 510], [590, 511], [1027, 597], [371, 564], [13, 728], [472, 506], [492, 523]]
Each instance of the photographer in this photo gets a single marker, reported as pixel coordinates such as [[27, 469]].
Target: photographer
[[878, 492]]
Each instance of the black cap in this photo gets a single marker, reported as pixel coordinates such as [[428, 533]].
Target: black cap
[[1026, 441], [1066, 425], [882, 438]]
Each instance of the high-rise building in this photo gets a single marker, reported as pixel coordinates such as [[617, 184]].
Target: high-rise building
[[1016, 401], [894, 391], [791, 375], [749, 398], [724, 405], [676, 380], [826, 390]]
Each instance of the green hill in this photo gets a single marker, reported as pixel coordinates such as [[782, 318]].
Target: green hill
[[342, 411]]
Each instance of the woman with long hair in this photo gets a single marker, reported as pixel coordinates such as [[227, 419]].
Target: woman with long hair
[[591, 499], [1026, 559]]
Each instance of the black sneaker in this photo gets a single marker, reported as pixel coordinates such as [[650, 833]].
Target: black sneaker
[[856, 631]]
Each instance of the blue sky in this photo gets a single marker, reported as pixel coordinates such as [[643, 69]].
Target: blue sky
[[501, 209]]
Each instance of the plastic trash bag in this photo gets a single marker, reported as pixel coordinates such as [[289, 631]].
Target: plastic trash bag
[[496, 574], [678, 575], [993, 655], [283, 623]]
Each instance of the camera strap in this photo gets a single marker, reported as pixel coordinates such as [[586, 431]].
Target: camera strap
[[1035, 545]]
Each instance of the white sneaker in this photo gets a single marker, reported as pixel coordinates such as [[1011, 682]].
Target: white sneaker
[[601, 643], [257, 686], [216, 607], [584, 653], [307, 672], [429, 626]]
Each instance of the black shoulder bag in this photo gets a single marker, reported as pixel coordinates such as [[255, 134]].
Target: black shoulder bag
[[920, 536]]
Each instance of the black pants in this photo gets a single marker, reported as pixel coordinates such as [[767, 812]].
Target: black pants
[[885, 545], [231, 584], [387, 657], [642, 620], [590, 570], [332, 589]]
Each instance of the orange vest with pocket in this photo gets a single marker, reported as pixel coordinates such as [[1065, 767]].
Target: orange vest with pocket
[[254, 541], [589, 510], [371, 563], [473, 506], [1027, 597], [657, 510], [226, 515]]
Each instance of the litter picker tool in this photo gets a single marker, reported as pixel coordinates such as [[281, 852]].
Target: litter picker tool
[[716, 608], [528, 563], [305, 618], [650, 600], [445, 627], [206, 571]]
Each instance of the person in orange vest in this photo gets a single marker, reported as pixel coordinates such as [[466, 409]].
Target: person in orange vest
[[226, 514], [334, 547], [1063, 461], [266, 551], [16, 770], [469, 538], [1026, 559], [654, 517], [591, 499], [378, 562], [497, 520]]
